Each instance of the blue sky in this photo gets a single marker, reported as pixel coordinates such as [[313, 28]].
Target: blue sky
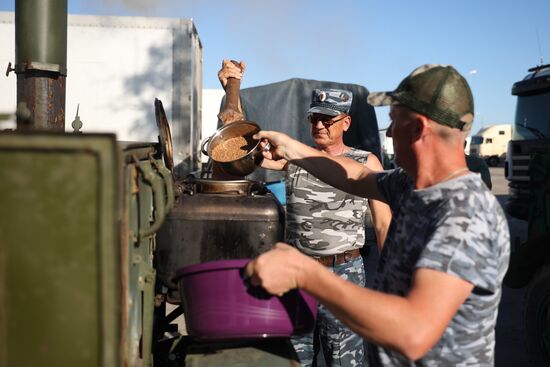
[[371, 43]]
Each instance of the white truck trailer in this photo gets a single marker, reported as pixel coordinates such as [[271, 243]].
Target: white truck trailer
[[116, 67], [491, 142]]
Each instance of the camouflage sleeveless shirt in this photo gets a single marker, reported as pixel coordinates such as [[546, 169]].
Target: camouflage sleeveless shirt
[[322, 220]]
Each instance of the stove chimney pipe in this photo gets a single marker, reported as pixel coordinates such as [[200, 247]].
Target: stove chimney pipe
[[41, 63]]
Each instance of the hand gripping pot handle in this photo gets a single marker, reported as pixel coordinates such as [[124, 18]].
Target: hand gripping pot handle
[[265, 148], [256, 291], [243, 164]]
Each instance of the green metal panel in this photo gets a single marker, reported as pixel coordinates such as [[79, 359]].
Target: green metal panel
[[148, 196], [59, 255], [141, 275]]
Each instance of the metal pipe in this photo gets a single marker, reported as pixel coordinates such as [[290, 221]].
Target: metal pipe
[[41, 63]]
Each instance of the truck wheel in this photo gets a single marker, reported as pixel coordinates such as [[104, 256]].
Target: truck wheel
[[493, 161], [537, 318]]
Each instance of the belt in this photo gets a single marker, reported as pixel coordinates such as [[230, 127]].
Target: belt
[[338, 259]]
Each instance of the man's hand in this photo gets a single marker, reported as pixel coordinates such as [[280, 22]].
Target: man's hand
[[230, 70], [278, 270], [278, 144]]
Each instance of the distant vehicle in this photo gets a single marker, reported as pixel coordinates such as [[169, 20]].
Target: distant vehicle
[[467, 145], [386, 145], [531, 134], [491, 142], [528, 170]]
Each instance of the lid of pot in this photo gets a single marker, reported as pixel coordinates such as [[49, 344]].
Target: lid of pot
[[240, 187], [165, 137]]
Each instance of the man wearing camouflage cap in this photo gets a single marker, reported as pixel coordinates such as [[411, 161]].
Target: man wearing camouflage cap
[[328, 224], [438, 284]]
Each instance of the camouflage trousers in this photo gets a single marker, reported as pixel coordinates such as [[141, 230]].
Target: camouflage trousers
[[340, 345]]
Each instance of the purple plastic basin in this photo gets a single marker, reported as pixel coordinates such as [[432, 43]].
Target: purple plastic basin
[[218, 304]]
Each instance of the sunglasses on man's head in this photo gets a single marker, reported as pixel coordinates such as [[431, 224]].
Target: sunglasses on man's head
[[327, 120]]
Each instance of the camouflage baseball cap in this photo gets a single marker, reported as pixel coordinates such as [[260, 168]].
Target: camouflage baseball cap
[[436, 91], [331, 102]]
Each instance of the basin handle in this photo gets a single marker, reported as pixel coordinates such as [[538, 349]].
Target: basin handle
[[255, 291]]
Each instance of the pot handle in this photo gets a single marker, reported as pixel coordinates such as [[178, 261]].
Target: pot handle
[[255, 291], [203, 144], [256, 187]]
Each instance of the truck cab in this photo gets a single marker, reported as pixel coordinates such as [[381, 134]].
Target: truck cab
[[530, 134], [528, 171]]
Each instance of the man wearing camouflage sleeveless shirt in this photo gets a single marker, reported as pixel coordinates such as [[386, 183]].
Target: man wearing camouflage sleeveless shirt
[[328, 224], [439, 279], [332, 226]]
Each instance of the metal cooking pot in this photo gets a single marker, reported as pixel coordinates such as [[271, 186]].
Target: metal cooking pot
[[247, 163]]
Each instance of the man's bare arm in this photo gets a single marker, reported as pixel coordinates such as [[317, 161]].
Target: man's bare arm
[[412, 324], [381, 213], [343, 173]]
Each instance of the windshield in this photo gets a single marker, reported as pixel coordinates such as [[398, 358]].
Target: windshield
[[476, 140], [532, 117]]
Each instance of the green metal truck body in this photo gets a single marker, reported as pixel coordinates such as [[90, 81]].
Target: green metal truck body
[[77, 234]]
